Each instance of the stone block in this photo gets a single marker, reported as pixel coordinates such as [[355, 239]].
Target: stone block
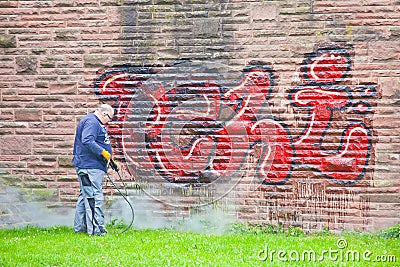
[[8, 41], [16, 145], [65, 162], [27, 65], [264, 11], [28, 114], [207, 27]]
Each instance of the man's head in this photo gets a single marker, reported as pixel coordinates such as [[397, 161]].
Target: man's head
[[105, 113]]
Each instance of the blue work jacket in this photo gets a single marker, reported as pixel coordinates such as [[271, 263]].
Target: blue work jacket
[[91, 139]]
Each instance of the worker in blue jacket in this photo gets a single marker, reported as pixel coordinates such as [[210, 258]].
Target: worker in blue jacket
[[92, 152]]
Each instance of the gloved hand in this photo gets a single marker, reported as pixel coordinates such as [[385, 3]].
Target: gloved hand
[[106, 154], [114, 165]]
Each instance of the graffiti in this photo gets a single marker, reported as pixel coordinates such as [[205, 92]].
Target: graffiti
[[191, 126], [120, 85], [344, 160], [198, 132]]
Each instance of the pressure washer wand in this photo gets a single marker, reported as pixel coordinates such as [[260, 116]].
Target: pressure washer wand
[[115, 167]]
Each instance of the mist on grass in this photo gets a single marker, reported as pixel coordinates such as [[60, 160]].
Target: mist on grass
[[19, 209], [22, 208], [150, 215]]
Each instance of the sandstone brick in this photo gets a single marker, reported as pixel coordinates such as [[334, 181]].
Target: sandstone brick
[[8, 41], [63, 88], [67, 179], [11, 180], [28, 114], [15, 145], [206, 27], [26, 65], [35, 185]]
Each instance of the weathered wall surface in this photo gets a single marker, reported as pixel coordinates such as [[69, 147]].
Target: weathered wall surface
[[281, 112]]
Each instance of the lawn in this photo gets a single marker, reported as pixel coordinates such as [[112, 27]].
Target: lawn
[[241, 246]]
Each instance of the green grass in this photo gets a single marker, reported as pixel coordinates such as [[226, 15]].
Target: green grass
[[241, 246]]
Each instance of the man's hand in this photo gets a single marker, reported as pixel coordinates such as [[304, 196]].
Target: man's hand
[[114, 165], [106, 154]]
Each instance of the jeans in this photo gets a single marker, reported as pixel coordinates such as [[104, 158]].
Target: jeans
[[89, 213]]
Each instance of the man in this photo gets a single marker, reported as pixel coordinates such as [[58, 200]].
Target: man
[[92, 152]]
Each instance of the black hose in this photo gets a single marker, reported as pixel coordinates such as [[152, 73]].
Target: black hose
[[126, 199]]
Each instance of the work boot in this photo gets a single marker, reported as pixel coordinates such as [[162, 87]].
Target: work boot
[[103, 231]]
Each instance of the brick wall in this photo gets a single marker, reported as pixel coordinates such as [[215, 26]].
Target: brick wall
[[281, 112]]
